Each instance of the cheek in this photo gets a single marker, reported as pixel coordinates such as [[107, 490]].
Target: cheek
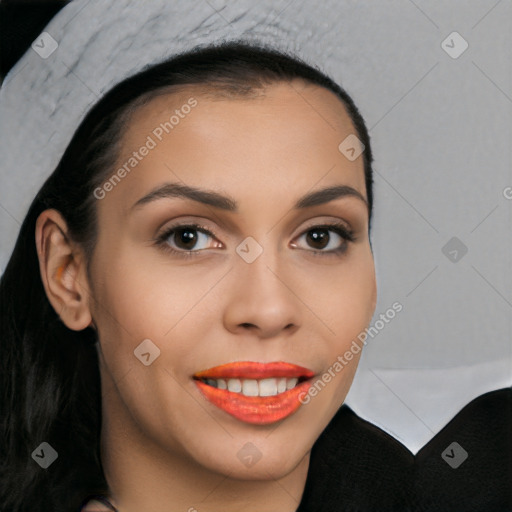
[[129, 307], [346, 301], [350, 310], [147, 297], [140, 299]]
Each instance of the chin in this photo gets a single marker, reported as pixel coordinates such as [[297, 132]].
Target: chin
[[254, 457]]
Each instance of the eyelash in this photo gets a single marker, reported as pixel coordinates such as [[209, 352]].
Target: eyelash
[[339, 228]]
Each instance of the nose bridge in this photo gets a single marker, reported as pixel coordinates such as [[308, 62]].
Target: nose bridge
[[255, 261], [257, 265]]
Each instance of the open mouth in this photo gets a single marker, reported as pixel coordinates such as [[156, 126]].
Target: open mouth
[[258, 393], [256, 387]]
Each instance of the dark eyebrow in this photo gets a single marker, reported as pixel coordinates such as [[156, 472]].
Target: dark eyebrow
[[227, 203], [325, 195]]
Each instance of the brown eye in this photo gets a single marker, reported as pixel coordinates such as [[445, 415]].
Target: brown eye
[[318, 238], [328, 239], [186, 238]]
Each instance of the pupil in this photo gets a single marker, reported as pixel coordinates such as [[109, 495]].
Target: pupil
[[322, 238]]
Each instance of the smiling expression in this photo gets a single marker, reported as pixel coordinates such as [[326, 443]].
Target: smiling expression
[[235, 180]]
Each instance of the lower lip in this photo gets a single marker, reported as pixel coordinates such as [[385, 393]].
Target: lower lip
[[259, 410]]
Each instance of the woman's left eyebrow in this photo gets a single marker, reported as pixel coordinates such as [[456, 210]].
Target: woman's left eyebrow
[[227, 203]]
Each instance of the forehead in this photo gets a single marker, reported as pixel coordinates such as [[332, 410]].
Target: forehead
[[286, 136], [297, 100]]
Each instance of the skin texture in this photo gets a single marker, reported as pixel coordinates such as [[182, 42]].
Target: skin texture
[[164, 447]]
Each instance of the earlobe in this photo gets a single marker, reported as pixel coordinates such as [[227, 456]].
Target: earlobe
[[62, 269]]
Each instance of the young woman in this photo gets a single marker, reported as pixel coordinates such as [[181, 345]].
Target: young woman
[[199, 258], [184, 310]]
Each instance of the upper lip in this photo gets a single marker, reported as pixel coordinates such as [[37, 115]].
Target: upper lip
[[252, 370]]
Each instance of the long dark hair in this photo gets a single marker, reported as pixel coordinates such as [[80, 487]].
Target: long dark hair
[[50, 381]]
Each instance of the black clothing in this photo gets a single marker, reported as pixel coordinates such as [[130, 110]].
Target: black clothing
[[355, 466]]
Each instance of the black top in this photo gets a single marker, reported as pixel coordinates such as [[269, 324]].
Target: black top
[[466, 467], [355, 466]]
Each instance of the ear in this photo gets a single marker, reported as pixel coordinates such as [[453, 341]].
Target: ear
[[63, 271]]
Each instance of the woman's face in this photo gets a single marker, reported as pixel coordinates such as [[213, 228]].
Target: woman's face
[[266, 286]]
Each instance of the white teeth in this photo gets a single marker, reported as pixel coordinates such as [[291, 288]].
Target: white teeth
[[291, 383], [234, 385], [250, 387], [268, 387], [253, 387]]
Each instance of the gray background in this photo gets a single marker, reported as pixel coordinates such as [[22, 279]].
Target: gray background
[[441, 136]]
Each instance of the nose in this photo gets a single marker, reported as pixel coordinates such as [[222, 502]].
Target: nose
[[262, 300]]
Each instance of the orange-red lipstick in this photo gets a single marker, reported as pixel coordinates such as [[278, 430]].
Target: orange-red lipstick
[[258, 393]]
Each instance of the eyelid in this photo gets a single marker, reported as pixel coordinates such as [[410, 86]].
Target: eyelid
[[327, 223]]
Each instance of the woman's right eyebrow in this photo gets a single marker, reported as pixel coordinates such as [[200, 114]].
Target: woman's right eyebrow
[[169, 190], [227, 203]]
